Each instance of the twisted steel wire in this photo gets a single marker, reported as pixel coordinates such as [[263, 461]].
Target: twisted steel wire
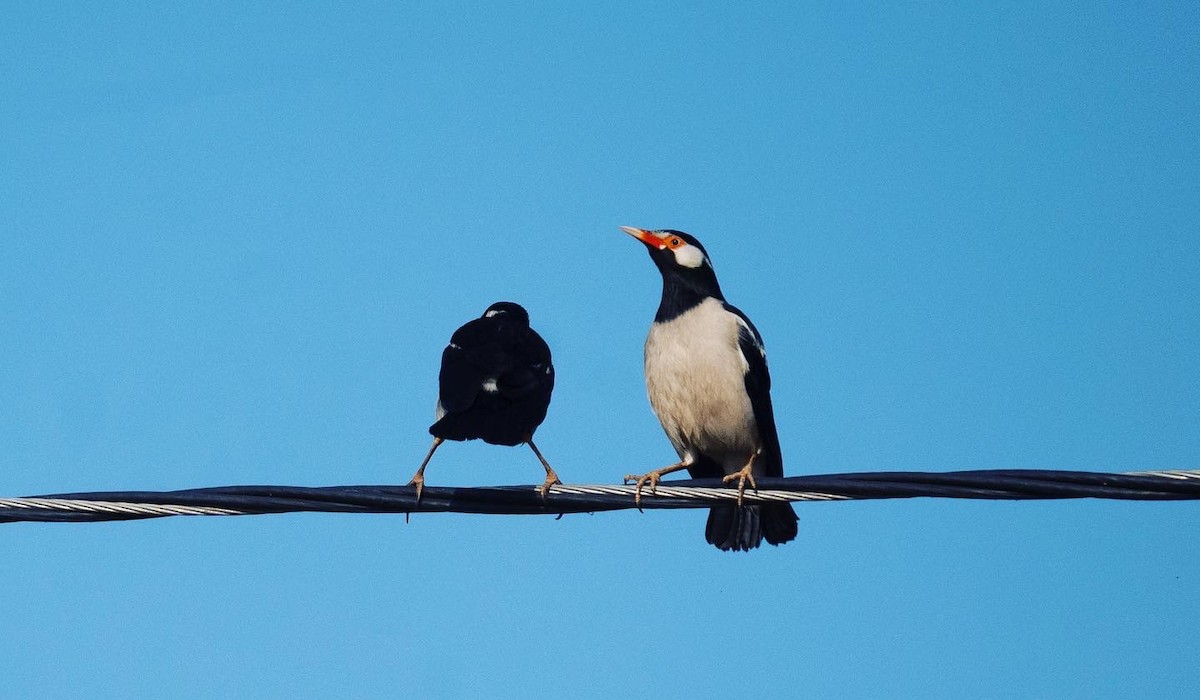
[[1000, 484]]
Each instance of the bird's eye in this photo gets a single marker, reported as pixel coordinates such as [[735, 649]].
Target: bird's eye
[[674, 243]]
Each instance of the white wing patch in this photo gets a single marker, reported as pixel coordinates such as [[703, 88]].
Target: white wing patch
[[753, 336], [490, 386]]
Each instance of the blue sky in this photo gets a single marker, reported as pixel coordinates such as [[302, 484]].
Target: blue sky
[[235, 241]]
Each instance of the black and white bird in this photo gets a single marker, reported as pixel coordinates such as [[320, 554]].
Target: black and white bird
[[494, 385], [706, 375]]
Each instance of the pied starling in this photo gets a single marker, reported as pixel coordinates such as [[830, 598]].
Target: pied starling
[[494, 385], [706, 375]]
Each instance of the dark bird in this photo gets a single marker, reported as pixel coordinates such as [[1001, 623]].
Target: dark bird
[[706, 375], [494, 385]]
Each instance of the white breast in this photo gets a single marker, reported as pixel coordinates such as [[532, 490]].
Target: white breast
[[695, 376]]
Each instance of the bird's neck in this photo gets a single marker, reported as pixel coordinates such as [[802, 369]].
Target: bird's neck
[[683, 293]]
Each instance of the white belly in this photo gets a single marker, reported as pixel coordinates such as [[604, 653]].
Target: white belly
[[695, 376]]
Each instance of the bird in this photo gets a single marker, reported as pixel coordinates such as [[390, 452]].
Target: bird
[[495, 384], [707, 380]]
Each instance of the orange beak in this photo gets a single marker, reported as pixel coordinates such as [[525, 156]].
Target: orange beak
[[645, 237]]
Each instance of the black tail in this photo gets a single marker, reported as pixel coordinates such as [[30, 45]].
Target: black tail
[[731, 528]]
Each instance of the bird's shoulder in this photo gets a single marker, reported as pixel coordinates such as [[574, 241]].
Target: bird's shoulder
[[747, 333], [498, 347], [474, 333], [531, 346]]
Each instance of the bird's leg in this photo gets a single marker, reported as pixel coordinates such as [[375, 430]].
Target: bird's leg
[[653, 477], [743, 475], [418, 479], [551, 477]]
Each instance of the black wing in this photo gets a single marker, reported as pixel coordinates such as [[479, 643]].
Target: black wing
[[758, 387], [529, 371], [471, 357]]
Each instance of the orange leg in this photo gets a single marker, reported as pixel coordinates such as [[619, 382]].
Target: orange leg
[[551, 477], [418, 479]]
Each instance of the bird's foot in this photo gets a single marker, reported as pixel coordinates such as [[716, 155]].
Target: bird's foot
[[418, 480], [551, 477], [653, 477], [551, 480], [641, 479], [742, 476]]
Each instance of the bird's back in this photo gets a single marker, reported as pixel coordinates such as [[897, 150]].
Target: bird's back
[[495, 383]]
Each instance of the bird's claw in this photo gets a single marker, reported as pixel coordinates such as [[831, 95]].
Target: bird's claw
[[641, 479], [742, 476], [551, 480], [419, 481]]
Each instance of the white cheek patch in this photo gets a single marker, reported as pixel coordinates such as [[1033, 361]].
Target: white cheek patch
[[689, 256]]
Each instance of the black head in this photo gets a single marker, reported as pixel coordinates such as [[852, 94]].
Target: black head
[[683, 262], [512, 312]]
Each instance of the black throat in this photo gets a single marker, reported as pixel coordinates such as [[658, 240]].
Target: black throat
[[685, 289]]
